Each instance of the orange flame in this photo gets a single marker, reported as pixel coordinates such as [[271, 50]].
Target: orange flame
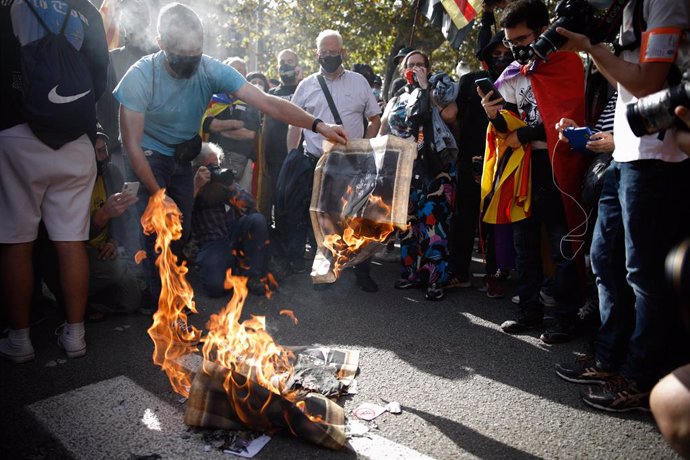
[[358, 232], [171, 335], [290, 314], [139, 256], [245, 349]]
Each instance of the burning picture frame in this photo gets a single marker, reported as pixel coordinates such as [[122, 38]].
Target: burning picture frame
[[360, 198]]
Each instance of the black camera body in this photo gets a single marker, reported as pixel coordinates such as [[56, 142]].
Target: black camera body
[[575, 15], [221, 175], [654, 113], [580, 17]]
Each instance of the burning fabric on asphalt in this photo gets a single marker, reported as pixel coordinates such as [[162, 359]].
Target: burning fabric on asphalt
[[359, 199], [246, 379], [300, 410]]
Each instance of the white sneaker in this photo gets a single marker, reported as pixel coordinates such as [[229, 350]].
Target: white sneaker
[[75, 347], [387, 255], [546, 299], [17, 352]]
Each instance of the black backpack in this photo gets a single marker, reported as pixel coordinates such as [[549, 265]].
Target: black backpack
[[59, 100]]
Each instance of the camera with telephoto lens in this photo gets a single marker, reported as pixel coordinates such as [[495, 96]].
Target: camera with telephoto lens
[[678, 276], [576, 16], [655, 112], [221, 175]]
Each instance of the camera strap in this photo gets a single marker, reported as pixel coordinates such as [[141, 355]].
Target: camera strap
[[610, 23], [638, 23], [329, 99]]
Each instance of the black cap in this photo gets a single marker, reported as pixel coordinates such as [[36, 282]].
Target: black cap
[[495, 40], [402, 53]]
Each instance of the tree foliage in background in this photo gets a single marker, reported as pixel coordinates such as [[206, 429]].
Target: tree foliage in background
[[373, 32]]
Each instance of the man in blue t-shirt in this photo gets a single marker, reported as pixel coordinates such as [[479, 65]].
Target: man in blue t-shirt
[[163, 97]]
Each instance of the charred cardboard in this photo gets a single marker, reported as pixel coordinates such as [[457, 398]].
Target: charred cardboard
[[346, 179]]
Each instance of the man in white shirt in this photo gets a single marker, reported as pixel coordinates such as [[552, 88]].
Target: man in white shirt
[[643, 207], [354, 102]]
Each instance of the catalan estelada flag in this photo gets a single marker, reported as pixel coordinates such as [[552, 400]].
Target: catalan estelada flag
[[453, 17], [506, 186], [109, 12], [219, 102], [462, 12]]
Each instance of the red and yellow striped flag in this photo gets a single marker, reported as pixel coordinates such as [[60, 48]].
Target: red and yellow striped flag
[[108, 12], [462, 12]]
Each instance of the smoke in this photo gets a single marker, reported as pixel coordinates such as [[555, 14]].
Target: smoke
[[137, 23]]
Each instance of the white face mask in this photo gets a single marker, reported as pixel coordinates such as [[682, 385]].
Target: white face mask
[[260, 86], [600, 4]]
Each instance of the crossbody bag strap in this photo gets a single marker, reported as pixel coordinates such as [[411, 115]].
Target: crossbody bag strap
[[329, 99]]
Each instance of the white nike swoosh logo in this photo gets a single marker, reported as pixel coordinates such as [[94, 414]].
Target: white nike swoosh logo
[[55, 98]]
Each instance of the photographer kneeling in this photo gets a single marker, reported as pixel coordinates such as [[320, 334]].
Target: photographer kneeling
[[229, 231]]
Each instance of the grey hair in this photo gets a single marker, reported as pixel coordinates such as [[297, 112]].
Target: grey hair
[[232, 59], [208, 149], [288, 50], [329, 33]]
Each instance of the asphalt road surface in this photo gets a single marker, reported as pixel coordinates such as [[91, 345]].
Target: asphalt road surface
[[467, 390]]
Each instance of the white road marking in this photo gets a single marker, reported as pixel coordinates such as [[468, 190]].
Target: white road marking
[[379, 448], [117, 418]]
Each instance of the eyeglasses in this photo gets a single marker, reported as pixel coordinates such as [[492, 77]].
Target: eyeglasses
[[517, 41], [412, 65]]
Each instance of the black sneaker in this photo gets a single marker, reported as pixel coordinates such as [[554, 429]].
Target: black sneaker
[[366, 283], [522, 323], [558, 333], [434, 292], [404, 283], [583, 370], [619, 394]]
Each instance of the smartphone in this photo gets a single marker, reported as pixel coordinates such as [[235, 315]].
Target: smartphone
[[578, 137], [486, 86], [131, 188]]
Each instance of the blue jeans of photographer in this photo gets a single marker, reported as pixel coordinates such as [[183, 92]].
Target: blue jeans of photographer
[[244, 252], [177, 177], [643, 212], [547, 210]]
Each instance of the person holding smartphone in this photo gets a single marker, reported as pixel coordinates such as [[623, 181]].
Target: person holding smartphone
[[534, 96], [424, 245], [112, 288]]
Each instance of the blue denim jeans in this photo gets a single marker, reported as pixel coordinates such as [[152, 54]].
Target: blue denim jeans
[[643, 212], [244, 252], [547, 211], [178, 180]]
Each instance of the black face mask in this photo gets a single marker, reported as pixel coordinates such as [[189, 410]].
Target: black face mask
[[498, 65], [183, 66], [288, 75], [522, 54], [330, 63]]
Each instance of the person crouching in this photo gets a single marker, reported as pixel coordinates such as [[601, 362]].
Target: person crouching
[[227, 228]]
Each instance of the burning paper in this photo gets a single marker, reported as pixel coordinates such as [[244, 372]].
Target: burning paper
[[359, 199], [245, 374]]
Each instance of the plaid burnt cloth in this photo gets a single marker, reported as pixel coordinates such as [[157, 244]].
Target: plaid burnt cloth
[[254, 407]]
